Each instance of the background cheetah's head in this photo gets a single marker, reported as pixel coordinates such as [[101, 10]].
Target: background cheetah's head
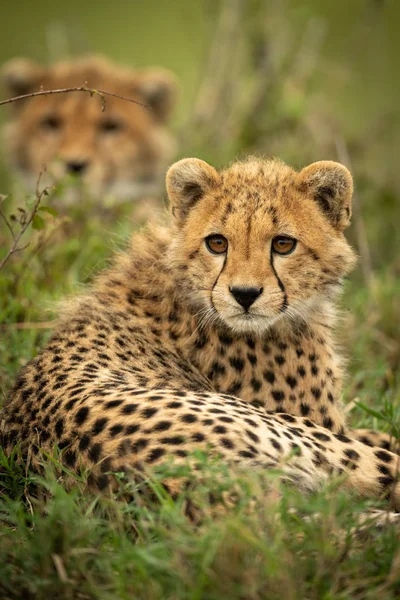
[[122, 151], [260, 242]]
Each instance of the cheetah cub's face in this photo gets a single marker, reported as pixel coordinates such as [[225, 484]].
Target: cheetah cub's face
[[259, 241]]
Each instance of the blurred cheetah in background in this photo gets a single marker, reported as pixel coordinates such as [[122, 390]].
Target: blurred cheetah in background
[[121, 151]]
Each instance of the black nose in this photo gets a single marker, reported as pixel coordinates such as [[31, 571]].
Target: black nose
[[245, 296], [77, 166]]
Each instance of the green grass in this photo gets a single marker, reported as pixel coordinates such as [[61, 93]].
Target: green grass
[[59, 544]]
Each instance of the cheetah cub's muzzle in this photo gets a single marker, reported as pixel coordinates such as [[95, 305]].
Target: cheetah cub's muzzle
[[256, 251]]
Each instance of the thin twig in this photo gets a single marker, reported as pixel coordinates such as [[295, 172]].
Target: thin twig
[[24, 226], [3, 216], [80, 88]]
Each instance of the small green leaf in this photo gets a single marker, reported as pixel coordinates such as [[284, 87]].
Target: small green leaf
[[38, 222], [30, 201], [48, 209]]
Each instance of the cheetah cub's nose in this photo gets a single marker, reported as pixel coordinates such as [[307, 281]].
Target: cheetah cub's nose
[[77, 167], [245, 296]]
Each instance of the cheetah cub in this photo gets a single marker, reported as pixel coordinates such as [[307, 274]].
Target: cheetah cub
[[214, 332]]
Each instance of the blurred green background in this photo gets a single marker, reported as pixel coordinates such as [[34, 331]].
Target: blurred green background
[[357, 63]]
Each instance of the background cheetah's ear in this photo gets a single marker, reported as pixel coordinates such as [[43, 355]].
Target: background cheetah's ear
[[331, 186], [187, 182], [158, 88], [21, 76]]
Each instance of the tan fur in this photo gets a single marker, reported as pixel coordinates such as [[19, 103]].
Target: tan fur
[[159, 359], [128, 161]]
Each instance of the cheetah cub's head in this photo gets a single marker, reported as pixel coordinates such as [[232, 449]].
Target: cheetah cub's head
[[259, 241]]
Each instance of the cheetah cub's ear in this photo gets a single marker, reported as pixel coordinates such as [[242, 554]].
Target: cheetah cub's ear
[[331, 186], [188, 181], [21, 76], [158, 88]]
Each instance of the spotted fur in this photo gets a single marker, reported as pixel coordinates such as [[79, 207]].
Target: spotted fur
[[159, 359]]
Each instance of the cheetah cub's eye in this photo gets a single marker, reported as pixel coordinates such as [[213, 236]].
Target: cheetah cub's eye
[[217, 244], [111, 125], [282, 244], [51, 123]]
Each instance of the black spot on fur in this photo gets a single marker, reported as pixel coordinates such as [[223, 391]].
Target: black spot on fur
[[342, 438], [316, 392], [99, 425], [225, 419], [174, 405], [155, 454], [84, 442], [234, 388], [81, 415], [366, 441], [288, 418], [278, 395], [246, 454], [321, 436], [304, 409], [70, 457], [291, 381], [385, 456], [269, 376], [328, 423], [140, 444], [188, 418], [173, 440], [227, 443], [352, 454], [383, 469], [237, 363], [219, 429], [116, 429], [130, 429], [148, 412], [386, 481], [252, 358], [255, 384], [95, 452], [59, 427], [129, 409], [275, 444], [225, 339]]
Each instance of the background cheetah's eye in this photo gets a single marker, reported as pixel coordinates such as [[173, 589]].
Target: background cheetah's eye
[[216, 243], [111, 126], [282, 244], [50, 123]]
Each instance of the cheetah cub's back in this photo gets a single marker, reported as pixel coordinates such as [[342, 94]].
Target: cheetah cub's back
[[213, 332]]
